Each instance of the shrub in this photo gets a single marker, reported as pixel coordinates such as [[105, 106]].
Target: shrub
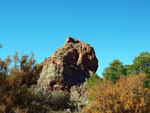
[[60, 101], [128, 95], [17, 94], [15, 82], [91, 82]]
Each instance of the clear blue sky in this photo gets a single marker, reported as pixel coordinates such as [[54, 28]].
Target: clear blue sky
[[115, 28]]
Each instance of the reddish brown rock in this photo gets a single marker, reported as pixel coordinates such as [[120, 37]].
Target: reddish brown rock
[[68, 68]]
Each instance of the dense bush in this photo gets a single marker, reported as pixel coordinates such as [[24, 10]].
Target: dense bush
[[91, 82], [128, 95], [16, 92], [124, 88], [15, 82]]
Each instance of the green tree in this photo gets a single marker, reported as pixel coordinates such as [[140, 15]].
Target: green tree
[[141, 63], [114, 71], [128, 69]]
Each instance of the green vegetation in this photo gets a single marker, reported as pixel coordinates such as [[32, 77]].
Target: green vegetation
[[128, 95], [114, 71], [92, 80], [141, 64], [123, 88]]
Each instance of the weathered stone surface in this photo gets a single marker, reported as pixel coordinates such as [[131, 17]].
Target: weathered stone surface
[[67, 69]]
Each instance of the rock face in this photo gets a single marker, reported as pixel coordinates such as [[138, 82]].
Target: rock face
[[68, 68]]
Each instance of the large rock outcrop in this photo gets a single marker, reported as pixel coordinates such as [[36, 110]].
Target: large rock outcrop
[[68, 68]]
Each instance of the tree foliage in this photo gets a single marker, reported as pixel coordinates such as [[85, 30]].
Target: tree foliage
[[141, 63], [114, 71]]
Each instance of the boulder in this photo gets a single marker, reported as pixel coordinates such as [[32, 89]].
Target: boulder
[[67, 69]]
